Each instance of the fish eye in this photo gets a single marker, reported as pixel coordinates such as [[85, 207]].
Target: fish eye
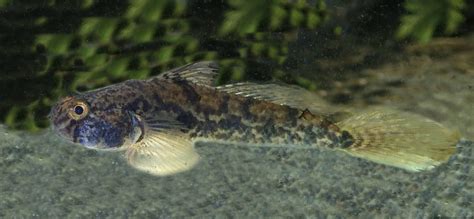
[[79, 111]]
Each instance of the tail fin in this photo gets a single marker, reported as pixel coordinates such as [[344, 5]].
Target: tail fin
[[399, 139]]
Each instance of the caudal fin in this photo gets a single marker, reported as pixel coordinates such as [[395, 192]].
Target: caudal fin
[[399, 139]]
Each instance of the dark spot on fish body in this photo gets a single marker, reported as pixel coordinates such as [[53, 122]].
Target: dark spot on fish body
[[281, 131], [300, 128], [346, 139], [157, 99], [292, 118], [161, 105], [189, 92], [146, 105], [293, 138], [174, 108], [268, 129], [232, 122], [310, 136], [208, 128], [245, 109], [224, 106], [138, 104], [248, 135], [187, 118], [206, 111]]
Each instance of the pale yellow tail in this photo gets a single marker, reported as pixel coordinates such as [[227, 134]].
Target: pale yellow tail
[[399, 139]]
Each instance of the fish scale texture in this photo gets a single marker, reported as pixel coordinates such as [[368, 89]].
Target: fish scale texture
[[43, 177]]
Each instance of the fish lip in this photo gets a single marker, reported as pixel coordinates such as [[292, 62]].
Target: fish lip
[[56, 130]]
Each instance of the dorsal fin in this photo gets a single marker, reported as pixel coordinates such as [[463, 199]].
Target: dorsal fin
[[287, 95], [200, 73]]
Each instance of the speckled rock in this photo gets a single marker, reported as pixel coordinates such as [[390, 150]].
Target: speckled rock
[[42, 177]]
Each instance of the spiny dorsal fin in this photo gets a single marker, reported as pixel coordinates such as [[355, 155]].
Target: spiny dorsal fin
[[399, 139], [200, 73], [164, 149], [287, 95]]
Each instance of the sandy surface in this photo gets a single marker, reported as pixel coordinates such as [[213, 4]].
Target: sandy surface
[[44, 177]]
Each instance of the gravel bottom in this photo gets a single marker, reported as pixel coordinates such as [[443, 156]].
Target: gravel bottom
[[43, 177]]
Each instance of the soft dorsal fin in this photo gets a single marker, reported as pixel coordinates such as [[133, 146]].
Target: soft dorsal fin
[[288, 95], [201, 73]]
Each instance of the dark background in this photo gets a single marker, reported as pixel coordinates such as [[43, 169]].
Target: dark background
[[49, 48]]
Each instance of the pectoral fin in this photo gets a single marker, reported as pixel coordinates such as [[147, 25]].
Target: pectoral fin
[[162, 151]]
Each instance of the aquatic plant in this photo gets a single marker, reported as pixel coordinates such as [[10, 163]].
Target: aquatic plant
[[81, 45], [425, 17], [54, 48]]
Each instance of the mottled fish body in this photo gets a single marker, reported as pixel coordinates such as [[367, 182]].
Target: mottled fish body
[[157, 121]]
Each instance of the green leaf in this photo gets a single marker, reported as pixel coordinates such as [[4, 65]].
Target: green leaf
[[100, 28], [55, 43], [278, 17], [117, 67], [306, 83], [96, 60], [135, 9], [153, 10], [164, 54], [296, 17], [11, 116], [312, 20], [142, 33], [247, 16], [4, 3], [139, 74], [425, 17], [257, 48]]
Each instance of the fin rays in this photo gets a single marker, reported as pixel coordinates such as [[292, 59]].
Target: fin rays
[[399, 139], [200, 73], [288, 95], [164, 148], [163, 154]]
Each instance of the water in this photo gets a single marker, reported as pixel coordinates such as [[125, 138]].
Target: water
[[42, 176]]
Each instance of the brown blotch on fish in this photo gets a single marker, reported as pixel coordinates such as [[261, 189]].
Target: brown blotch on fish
[[157, 121]]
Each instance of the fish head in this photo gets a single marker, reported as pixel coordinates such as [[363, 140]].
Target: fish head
[[89, 122]]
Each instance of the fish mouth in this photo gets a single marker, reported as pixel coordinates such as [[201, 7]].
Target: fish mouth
[[61, 135]]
